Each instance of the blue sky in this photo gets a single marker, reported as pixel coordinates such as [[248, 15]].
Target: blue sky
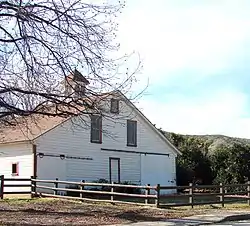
[[196, 55]]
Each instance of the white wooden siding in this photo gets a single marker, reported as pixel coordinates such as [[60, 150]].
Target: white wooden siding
[[157, 170], [73, 138], [51, 168], [16, 153], [89, 170]]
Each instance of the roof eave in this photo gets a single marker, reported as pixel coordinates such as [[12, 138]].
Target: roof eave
[[17, 141]]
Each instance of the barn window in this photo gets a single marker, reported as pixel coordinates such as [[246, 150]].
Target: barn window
[[15, 169], [131, 133], [96, 129], [114, 108]]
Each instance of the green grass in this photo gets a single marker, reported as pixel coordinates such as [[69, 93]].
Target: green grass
[[27, 200], [202, 199], [234, 202], [231, 206]]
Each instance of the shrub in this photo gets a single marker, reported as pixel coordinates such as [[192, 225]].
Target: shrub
[[87, 195], [73, 193], [102, 188], [128, 190]]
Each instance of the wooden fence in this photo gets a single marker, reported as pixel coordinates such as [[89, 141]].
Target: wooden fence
[[107, 193], [193, 195], [190, 195], [24, 185]]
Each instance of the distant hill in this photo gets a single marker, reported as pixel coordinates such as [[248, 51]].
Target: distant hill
[[213, 141]]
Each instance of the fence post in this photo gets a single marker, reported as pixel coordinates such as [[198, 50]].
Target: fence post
[[222, 194], [112, 190], [81, 188], [191, 195], [55, 186], [147, 192], [157, 191], [33, 187], [248, 193], [2, 186]]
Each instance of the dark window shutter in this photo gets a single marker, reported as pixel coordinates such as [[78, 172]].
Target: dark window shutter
[[131, 133], [96, 129], [135, 133], [114, 108], [15, 170]]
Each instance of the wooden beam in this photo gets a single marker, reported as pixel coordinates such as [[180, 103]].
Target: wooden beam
[[34, 161], [134, 152], [95, 184], [92, 200]]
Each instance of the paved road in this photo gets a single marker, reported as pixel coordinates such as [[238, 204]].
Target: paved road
[[241, 218], [184, 222], [236, 223]]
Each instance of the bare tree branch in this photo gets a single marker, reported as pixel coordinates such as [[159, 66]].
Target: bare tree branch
[[43, 42]]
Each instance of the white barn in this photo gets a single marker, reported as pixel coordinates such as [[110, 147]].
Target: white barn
[[124, 147]]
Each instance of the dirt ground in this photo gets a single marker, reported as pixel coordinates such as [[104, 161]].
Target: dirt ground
[[64, 212]]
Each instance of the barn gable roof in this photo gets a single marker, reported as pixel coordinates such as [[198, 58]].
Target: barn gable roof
[[29, 128]]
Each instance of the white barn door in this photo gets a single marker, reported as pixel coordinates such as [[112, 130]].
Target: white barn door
[[114, 170], [155, 169], [50, 168]]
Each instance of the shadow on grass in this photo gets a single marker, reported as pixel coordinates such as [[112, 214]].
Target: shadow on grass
[[130, 215], [133, 216], [127, 215], [49, 212]]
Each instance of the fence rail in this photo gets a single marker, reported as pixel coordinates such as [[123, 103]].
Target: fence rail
[[21, 184], [110, 193], [214, 194], [191, 194], [95, 184]]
